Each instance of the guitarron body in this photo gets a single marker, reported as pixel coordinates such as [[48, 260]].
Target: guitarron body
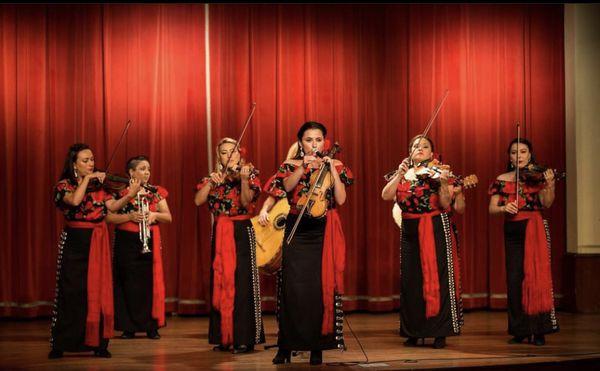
[[269, 238]]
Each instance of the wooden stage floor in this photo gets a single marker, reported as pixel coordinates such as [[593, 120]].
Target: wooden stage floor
[[483, 343]]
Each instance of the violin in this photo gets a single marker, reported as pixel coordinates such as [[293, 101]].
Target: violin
[[533, 174], [233, 174], [114, 184], [315, 200], [432, 169]]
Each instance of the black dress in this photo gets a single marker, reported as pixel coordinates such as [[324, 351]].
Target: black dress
[[134, 271], [68, 328], [300, 304], [417, 199], [224, 201], [520, 324]]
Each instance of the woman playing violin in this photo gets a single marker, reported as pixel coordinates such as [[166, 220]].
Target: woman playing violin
[[311, 277], [139, 282], [531, 312], [83, 317], [231, 192], [430, 279]]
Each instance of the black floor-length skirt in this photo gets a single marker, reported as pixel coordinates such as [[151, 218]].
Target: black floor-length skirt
[[520, 323], [133, 283], [70, 303], [413, 322], [300, 292], [247, 317]]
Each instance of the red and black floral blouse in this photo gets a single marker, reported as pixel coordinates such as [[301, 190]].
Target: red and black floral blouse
[[91, 209], [277, 189], [419, 196], [225, 199], [153, 199], [529, 198]]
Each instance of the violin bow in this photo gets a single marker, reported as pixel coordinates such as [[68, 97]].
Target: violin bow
[[431, 120], [434, 115], [237, 144], [517, 162], [112, 156]]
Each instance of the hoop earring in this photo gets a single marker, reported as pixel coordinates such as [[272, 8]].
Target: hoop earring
[[301, 149], [512, 166], [75, 172]]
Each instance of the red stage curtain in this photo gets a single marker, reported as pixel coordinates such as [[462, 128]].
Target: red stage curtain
[[78, 73], [371, 73]]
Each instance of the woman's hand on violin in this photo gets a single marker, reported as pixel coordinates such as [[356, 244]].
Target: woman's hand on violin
[[549, 176], [96, 175], [216, 178], [245, 173], [331, 163], [311, 161], [134, 187], [457, 190], [444, 175], [263, 218], [511, 207], [135, 216], [403, 167]]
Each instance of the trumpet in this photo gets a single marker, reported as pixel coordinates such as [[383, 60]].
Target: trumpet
[[143, 224]]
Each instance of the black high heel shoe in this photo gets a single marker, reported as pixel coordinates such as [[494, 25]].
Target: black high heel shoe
[[54, 354], [242, 349], [316, 357], [282, 356], [539, 340], [102, 353], [127, 335], [411, 342], [439, 342], [153, 334], [221, 348], [519, 339]]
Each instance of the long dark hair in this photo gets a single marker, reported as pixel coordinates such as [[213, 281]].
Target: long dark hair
[[307, 126], [70, 159], [133, 162], [510, 166]]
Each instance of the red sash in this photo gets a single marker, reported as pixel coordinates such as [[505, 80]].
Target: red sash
[[224, 274], [99, 283], [158, 283], [431, 282], [537, 282], [332, 267]]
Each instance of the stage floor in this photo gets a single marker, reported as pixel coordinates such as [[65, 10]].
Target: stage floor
[[24, 344]]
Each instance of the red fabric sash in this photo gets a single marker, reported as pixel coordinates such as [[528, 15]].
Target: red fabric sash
[[332, 267], [99, 284], [431, 281], [537, 282], [158, 283], [224, 274]]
